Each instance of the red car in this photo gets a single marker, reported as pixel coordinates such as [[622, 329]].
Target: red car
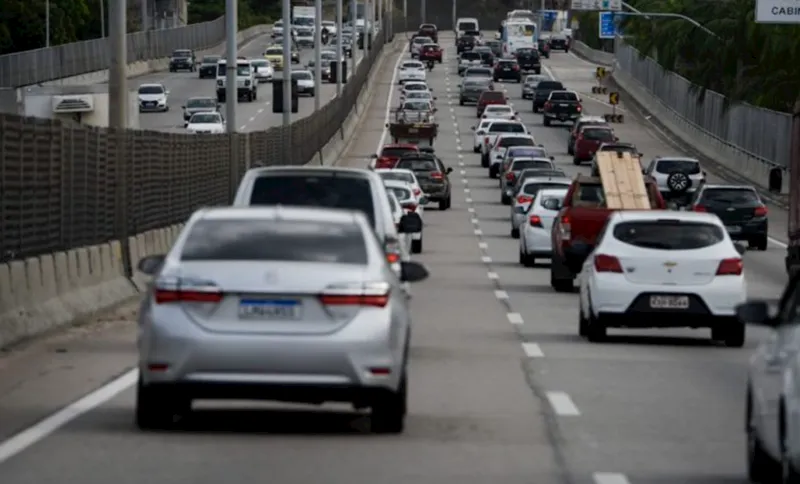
[[490, 97], [390, 154], [589, 140], [431, 52]]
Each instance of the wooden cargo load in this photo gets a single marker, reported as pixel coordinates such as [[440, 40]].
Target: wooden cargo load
[[623, 183]]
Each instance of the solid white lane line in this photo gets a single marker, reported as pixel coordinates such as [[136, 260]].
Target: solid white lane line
[[501, 295], [562, 404], [39, 431], [486, 259], [532, 350], [610, 478], [385, 132], [492, 275], [515, 318]]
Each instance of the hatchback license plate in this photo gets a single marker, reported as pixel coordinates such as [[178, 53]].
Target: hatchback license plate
[[669, 302], [733, 229], [270, 310]]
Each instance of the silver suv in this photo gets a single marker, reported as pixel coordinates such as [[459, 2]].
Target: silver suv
[[246, 82], [676, 176]]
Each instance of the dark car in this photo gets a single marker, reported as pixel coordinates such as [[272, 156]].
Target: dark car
[[182, 60], [465, 43], [739, 207], [542, 93], [544, 47], [559, 42], [196, 105], [562, 106], [496, 46], [579, 124], [429, 30], [487, 56], [471, 89], [432, 176], [529, 60], [347, 44], [507, 70], [208, 67]]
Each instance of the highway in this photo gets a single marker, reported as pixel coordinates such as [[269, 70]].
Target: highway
[[502, 389], [253, 116]]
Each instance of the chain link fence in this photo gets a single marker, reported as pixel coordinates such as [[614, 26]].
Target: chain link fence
[[66, 60], [759, 133], [60, 183]]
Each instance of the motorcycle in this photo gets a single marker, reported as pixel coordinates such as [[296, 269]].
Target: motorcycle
[[430, 63]]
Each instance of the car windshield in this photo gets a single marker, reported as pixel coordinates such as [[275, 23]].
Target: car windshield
[[493, 96], [730, 196], [304, 21], [244, 70], [532, 152], [471, 56], [468, 26], [206, 118], [417, 165], [415, 87], [485, 72], [690, 167], [620, 149], [301, 75], [306, 190], [397, 152], [182, 54], [275, 240], [205, 102], [397, 175], [595, 134], [259, 63], [499, 110], [519, 165], [274, 51], [533, 80], [419, 95], [668, 234], [534, 187], [210, 60], [505, 142], [412, 65], [550, 86], [506, 128], [329, 56], [151, 90], [422, 40], [563, 96]]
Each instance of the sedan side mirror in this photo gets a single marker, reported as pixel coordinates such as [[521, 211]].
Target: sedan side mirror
[[755, 312], [150, 264], [373, 156], [552, 158], [472, 128], [449, 170], [413, 272], [641, 155], [410, 223], [183, 107], [435, 110], [435, 98], [480, 131]]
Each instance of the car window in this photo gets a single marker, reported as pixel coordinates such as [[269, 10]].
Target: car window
[[506, 128], [304, 75], [210, 60], [550, 86], [397, 152], [417, 165], [201, 103], [730, 196], [416, 87], [668, 234], [413, 65], [519, 165], [182, 53], [595, 134], [620, 149], [275, 240], [400, 193], [493, 96], [589, 195], [274, 51], [514, 141], [563, 96], [470, 56], [397, 175], [306, 190], [533, 188], [206, 118], [670, 166], [532, 152], [507, 62], [151, 90]]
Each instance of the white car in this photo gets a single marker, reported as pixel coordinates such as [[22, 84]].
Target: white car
[[410, 71], [407, 176], [206, 123], [414, 86], [495, 129], [421, 96], [330, 26], [676, 175], [397, 214], [480, 132], [534, 231], [263, 69], [153, 97], [277, 29], [662, 269], [417, 43], [527, 191], [410, 203], [502, 143], [500, 111], [305, 82]]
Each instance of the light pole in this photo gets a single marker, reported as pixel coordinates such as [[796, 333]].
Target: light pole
[[288, 32], [103, 19], [231, 94], [339, 49], [47, 23], [353, 31], [318, 54]]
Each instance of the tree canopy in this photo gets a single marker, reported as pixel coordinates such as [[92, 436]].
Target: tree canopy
[[746, 61]]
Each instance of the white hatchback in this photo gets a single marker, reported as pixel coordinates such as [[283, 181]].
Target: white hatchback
[[500, 111], [480, 131], [663, 269], [534, 232], [411, 70]]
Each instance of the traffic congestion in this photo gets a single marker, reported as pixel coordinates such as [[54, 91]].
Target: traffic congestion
[[497, 278]]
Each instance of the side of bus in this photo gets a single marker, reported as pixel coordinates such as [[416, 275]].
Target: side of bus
[[519, 35]]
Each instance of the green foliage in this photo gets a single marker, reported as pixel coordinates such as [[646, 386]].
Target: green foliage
[[250, 12], [748, 62]]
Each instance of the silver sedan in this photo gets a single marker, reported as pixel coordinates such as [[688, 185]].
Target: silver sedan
[[274, 303]]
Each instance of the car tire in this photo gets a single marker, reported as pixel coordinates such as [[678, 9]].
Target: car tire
[[560, 284], [156, 408], [734, 335], [505, 199], [476, 149], [416, 246], [576, 161], [596, 331], [443, 204], [538, 71], [166, 109], [546, 122], [515, 233], [761, 242], [389, 410], [460, 102], [220, 99], [760, 466], [583, 323]]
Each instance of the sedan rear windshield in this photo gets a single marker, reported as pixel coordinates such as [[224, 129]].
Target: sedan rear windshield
[[668, 234], [533, 188], [598, 134], [730, 196], [516, 141], [397, 175], [306, 190], [550, 86], [493, 96], [401, 193], [506, 128], [519, 165], [417, 165], [563, 96], [397, 152], [670, 166], [471, 56], [271, 240]]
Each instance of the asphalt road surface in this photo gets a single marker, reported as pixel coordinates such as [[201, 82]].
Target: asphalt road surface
[[502, 389], [253, 116]]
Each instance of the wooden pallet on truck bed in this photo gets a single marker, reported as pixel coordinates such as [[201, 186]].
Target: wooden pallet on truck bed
[[623, 183]]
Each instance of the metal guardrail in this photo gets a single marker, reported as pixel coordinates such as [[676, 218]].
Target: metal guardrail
[[66, 60]]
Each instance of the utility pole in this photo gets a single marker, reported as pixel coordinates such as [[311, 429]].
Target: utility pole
[[423, 9], [318, 53], [145, 16], [339, 48], [118, 122], [369, 16], [102, 19], [288, 32], [47, 23], [231, 93]]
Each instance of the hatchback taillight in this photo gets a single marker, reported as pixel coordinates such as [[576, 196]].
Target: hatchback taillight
[[374, 294], [607, 263], [730, 267], [535, 221], [760, 211], [510, 177], [524, 199]]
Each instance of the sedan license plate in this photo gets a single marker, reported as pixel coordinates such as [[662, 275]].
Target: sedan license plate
[[733, 229], [506, 68], [270, 309], [563, 105], [669, 302]]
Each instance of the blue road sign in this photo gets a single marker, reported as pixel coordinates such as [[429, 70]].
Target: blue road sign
[[607, 28], [548, 20]]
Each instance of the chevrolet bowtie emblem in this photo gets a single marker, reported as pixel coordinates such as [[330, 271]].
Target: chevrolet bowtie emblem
[[670, 265]]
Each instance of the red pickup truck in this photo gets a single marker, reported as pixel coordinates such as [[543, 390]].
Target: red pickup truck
[[580, 220]]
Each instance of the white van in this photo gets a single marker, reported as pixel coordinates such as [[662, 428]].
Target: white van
[[246, 83], [467, 24]]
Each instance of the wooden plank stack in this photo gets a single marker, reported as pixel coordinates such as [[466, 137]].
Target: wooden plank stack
[[621, 175]]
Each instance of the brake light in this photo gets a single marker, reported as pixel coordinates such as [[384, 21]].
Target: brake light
[[510, 177], [547, 105], [607, 263], [437, 175], [730, 267], [183, 291], [516, 68], [411, 207], [486, 140], [375, 294], [535, 221], [760, 211], [392, 250], [524, 199], [417, 191], [579, 108], [700, 208], [566, 228]]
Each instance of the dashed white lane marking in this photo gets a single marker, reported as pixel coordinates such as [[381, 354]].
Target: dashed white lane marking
[[478, 232], [562, 404], [486, 259], [532, 350], [483, 245], [501, 295], [515, 318], [465, 181], [492, 275], [471, 210], [260, 110], [41, 430], [242, 127], [466, 190], [475, 221], [469, 200], [610, 478], [460, 164], [252, 119]]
